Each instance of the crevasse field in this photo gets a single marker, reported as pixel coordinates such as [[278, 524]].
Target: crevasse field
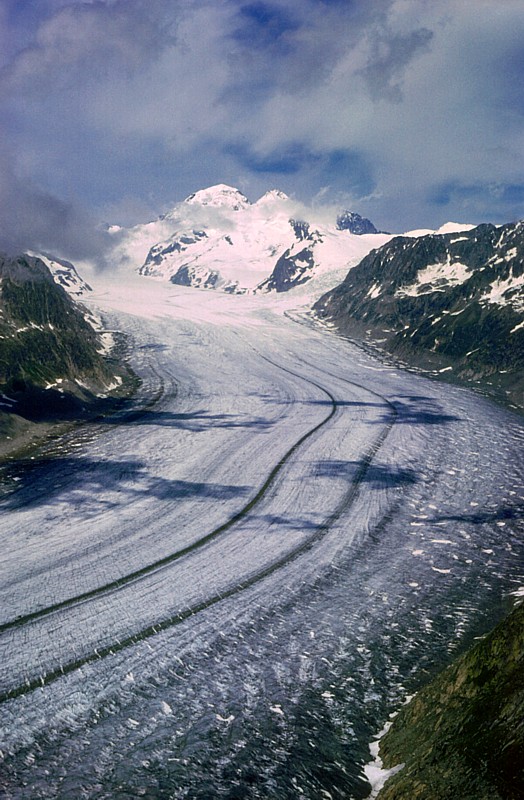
[[226, 593]]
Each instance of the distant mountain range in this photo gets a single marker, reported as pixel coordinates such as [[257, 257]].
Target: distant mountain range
[[451, 302], [217, 239]]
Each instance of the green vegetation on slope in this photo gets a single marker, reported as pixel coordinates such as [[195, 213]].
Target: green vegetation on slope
[[51, 370], [462, 736], [43, 335]]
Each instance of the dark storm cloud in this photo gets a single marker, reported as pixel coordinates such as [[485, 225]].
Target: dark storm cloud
[[33, 219]]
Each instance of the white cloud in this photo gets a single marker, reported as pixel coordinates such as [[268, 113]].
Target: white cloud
[[155, 99]]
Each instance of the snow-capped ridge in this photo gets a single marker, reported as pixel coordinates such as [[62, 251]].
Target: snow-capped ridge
[[455, 227], [216, 238], [447, 227], [271, 196], [219, 196], [64, 274]]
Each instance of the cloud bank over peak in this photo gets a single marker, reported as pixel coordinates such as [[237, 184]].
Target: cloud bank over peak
[[411, 112]]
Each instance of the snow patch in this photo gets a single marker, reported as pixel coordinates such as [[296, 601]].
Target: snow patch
[[436, 278], [375, 291], [506, 292], [374, 770]]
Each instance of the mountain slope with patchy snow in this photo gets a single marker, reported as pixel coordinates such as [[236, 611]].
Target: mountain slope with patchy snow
[[64, 274], [462, 735], [53, 364], [454, 301]]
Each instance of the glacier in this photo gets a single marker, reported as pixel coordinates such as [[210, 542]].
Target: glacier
[[225, 593]]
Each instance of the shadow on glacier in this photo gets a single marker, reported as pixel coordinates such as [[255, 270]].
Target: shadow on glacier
[[287, 523], [86, 481], [481, 516], [197, 421], [377, 476], [409, 409], [342, 403], [271, 399], [420, 410]]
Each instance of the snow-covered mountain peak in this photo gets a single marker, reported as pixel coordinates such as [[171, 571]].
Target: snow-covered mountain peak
[[219, 196], [218, 239], [64, 273], [354, 223], [272, 196]]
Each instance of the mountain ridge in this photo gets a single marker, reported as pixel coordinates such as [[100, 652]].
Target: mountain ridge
[[462, 736], [53, 365], [216, 238], [451, 303]]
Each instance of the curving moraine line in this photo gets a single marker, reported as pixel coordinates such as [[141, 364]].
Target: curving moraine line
[[319, 532], [131, 577]]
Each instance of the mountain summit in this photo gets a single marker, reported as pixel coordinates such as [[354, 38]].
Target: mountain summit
[[354, 223], [219, 196], [217, 239]]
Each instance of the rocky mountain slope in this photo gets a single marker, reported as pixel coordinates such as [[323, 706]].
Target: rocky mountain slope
[[453, 303], [64, 274], [463, 735], [354, 223], [51, 362], [217, 239]]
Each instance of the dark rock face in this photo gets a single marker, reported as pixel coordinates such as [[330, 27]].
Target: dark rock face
[[462, 736], [187, 276], [295, 265], [300, 229], [452, 301], [291, 269], [177, 244], [43, 333], [354, 223]]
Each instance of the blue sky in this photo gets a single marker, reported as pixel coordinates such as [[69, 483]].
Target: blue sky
[[407, 111]]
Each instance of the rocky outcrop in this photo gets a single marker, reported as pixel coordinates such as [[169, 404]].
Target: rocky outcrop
[[354, 223]]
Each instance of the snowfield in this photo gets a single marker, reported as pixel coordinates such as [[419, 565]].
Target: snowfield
[[231, 589]]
